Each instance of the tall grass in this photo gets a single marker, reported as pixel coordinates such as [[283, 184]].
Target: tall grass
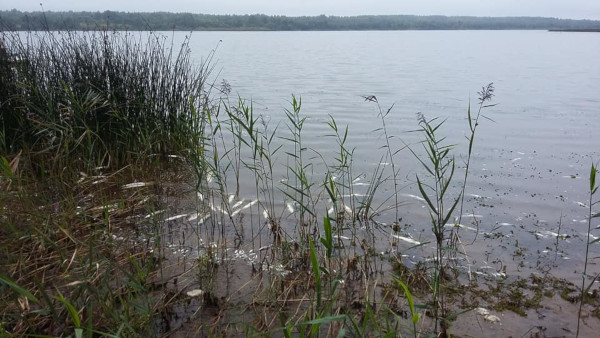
[[81, 114], [97, 98]]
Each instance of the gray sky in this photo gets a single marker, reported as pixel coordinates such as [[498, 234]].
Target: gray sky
[[573, 9]]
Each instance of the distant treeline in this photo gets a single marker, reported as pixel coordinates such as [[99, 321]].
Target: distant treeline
[[17, 20]]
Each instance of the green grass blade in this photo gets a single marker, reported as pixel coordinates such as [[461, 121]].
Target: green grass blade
[[18, 289], [431, 207], [70, 308], [316, 271], [325, 320]]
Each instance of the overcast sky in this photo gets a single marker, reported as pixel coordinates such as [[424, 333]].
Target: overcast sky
[[573, 9]]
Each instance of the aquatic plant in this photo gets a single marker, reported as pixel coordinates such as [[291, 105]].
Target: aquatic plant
[[96, 98], [439, 164], [591, 215]]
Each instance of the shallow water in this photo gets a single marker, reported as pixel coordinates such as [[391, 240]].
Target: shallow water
[[530, 164], [525, 207]]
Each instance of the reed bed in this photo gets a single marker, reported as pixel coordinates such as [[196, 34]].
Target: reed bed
[[139, 199]]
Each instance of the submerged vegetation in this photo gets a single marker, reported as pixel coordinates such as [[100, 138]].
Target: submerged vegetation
[[137, 198]]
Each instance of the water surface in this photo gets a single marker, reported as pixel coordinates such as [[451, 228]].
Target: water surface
[[530, 165]]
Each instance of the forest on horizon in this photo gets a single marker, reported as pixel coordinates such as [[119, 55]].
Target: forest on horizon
[[18, 20]]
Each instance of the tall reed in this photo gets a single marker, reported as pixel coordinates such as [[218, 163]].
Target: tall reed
[[121, 94], [440, 166], [591, 215]]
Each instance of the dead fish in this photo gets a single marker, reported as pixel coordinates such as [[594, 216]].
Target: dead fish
[[406, 239]]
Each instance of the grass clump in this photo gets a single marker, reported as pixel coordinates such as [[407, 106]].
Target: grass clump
[[82, 115], [96, 98]]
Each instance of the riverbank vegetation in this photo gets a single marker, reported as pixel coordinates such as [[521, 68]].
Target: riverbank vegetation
[[138, 198], [17, 20]]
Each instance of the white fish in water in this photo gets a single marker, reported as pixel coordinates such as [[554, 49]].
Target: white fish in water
[[481, 311], [418, 198], [472, 216], [250, 204], [237, 204], [152, 214], [215, 208], [451, 225], [176, 217], [348, 209], [244, 207], [136, 185], [492, 318], [195, 217], [290, 207], [194, 293], [406, 239]]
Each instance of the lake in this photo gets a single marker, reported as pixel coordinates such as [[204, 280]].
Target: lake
[[239, 252], [530, 166]]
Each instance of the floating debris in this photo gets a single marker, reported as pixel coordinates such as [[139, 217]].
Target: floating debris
[[515, 159]]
